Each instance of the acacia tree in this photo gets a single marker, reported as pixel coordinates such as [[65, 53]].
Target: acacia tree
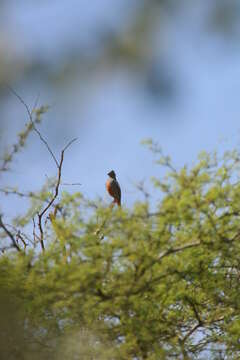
[[99, 283]]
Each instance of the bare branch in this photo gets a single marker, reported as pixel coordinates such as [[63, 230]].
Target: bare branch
[[34, 232], [58, 164], [33, 124], [198, 325], [55, 195], [70, 184], [9, 234], [35, 103], [20, 237], [67, 146], [21, 234]]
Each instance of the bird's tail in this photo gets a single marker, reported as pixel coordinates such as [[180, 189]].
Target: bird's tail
[[118, 202]]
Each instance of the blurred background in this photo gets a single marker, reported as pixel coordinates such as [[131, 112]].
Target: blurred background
[[113, 73]]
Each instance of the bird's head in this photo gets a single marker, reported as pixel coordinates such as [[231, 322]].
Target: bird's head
[[112, 174]]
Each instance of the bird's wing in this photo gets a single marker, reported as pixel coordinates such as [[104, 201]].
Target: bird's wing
[[116, 190]]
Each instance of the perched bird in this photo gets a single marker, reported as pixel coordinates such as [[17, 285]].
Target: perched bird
[[113, 188]]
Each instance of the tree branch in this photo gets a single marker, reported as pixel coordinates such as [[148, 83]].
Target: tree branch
[[198, 325], [55, 195], [9, 234], [178, 249], [33, 124], [12, 191], [58, 164]]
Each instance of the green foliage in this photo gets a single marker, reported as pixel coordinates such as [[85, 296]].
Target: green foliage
[[129, 283]]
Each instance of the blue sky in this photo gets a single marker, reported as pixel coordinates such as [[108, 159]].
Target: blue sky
[[111, 114]]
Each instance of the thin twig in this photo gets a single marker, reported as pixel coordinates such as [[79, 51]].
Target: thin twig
[[70, 184], [30, 194], [67, 146], [18, 232], [34, 232], [35, 103], [32, 122], [20, 237]]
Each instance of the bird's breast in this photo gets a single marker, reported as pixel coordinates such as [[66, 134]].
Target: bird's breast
[[109, 186]]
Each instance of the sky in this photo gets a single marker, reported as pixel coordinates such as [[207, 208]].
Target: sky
[[112, 112]]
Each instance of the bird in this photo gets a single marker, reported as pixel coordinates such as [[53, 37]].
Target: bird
[[113, 188]]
